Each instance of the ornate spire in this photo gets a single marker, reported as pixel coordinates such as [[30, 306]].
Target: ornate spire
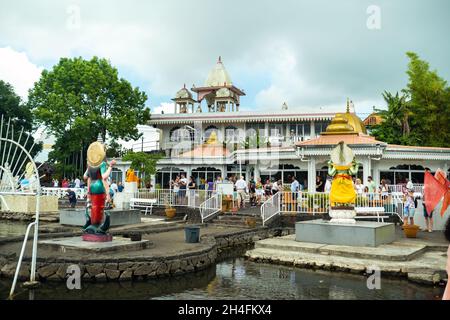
[[348, 105], [220, 59]]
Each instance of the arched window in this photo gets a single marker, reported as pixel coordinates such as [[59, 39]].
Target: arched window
[[178, 134], [231, 134]]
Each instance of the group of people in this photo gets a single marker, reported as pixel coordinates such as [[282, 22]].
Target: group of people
[[113, 189], [68, 183]]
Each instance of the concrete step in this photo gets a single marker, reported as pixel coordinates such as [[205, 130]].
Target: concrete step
[[396, 251]]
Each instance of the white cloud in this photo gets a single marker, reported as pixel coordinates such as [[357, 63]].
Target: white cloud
[[167, 107], [18, 70]]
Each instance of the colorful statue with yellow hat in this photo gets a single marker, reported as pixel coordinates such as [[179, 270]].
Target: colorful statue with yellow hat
[[342, 167], [97, 175]]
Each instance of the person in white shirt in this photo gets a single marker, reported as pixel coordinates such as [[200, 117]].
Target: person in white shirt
[[241, 188], [114, 186], [409, 185], [359, 187], [77, 183]]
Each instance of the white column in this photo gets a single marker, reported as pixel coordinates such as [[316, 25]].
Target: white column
[[257, 171], [367, 169], [312, 175], [376, 172], [313, 130], [266, 129]]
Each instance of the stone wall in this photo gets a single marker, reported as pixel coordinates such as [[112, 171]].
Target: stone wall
[[117, 269]]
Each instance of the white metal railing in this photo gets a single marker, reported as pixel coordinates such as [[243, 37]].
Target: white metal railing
[[175, 198], [80, 193], [319, 203], [210, 207], [401, 188], [20, 177], [271, 207]]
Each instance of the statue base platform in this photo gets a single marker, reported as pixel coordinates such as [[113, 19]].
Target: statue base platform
[[78, 245], [345, 216], [76, 217], [96, 237], [360, 233]]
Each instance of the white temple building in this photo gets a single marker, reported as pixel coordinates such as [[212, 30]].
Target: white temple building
[[209, 136]]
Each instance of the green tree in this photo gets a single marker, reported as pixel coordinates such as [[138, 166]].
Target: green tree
[[421, 115], [395, 126], [78, 100], [12, 109], [429, 103], [143, 162]]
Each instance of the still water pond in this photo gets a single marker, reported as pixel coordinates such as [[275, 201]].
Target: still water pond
[[240, 279]]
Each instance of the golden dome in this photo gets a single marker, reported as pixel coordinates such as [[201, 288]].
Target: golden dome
[[355, 122], [345, 123]]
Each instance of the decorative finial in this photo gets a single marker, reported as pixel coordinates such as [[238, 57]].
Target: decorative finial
[[220, 60], [184, 86], [348, 106]]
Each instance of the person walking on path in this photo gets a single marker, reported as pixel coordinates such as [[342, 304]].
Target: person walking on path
[[241, 187]]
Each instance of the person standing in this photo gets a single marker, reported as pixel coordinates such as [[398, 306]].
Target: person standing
[[268, 189], [409, 185], [241, 187], [259, 191], [275, 187], [359, 187], [114, 186], [120, 186], [77, 182], [252, 191], [183, 187], [409, 209], [295, 188], [427, 215], [191, 186], [371, 185], [319, 184]]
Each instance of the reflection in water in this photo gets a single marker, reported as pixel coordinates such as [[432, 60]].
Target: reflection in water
[[241, 279]]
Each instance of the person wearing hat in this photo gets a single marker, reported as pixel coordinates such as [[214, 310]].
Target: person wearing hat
[[97, 175]]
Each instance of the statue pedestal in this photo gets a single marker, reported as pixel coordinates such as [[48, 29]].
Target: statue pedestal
[[346, 216], [96, 237]]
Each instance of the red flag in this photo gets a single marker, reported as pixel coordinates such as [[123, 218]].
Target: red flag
[[433, 191], [446, 203], [441, 176]]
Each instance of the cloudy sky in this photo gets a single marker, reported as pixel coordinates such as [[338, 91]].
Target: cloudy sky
[[311, 54]]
